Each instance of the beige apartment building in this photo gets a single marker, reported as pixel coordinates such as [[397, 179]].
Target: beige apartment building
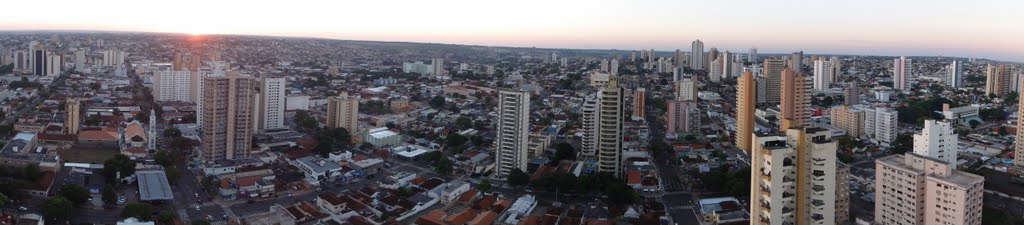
[[848, 118], [228, 103], [914, 189], [72, 116], [343, 111], [795, 102], [609, 116], [745, 98], [794, 178]]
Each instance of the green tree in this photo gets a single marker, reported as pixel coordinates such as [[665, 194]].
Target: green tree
[[3, 199], [165, 216], [56, 210], [436, 102], [621, 194], [164, 158], [455, 140], [463, 122], [443, 166], [564, 151], [172, 132], [74, 193], [902, 143], [109, 196], [200, 222], [518, 178], [119, 163], [404, 192], [484, 185], [141, 211]]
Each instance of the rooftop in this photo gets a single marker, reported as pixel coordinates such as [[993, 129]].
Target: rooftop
[[153, 185]]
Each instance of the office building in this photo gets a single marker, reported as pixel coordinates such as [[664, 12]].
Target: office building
[[72, 116], [823, 74], [638, 103], [271, 103], [343, 111], [589, 112], [998, 80], [38, 58], [228, 103], [745, 102], [851, 95], [173, 86], [914, 189], [682, 117], [113, 58], [937, 140], [697, 55], [955, 74], [901, 73], [880, 125], [609, 127], [773, 78], [54, 65], [793, 178], [848, 118], [795, 101], [512, 140]]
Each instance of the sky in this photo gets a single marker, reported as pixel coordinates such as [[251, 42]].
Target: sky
[[976, 28]]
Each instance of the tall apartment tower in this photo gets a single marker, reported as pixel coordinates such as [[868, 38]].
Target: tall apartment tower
[[173, 86], [998, 80], [793, 178], [638, 103], [80, 59], [189, 62], [850, 119], [1018, 150], [113, 58], [682, 117], [795, 104], [796, 61], [745, 98], [880, 125], [589, 113], [727, 64], [937, 140], [152, 130], [437, 66], [710, 58], [901, 72], [686, 90], [697, 55], [609, 127], [715, 70], [823, 74], [955, 74], [227, 114], [752, 55], [343, 111], [917, 190], [851, 95], [837, 67], [512, 143], [72, 116], [271, 103], [773, 78]]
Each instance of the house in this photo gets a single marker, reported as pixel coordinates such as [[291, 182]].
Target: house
[[316, 169], [453, 190]]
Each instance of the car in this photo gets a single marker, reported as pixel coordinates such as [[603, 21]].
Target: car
[[197, 208], [22, 208], [290, 195], [197, 195]]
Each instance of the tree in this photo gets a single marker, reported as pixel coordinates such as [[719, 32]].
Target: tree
[[200, 222], [3, 199], [74, 193], [119, 163], [484, 185], [436, 102], [518, 178], [56, 210], [404, 192], [621, 194], [463, 122], [455, 140], [974, 123], [164, 158], [564, 151], [165, 216], [172, 132], [443, 166], [141, 211], [31, 171], [902, 143], [109, 196]]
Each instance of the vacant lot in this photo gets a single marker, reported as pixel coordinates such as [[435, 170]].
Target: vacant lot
[[87, 155]]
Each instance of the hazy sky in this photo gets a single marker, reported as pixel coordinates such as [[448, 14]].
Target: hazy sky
[[972, 28]]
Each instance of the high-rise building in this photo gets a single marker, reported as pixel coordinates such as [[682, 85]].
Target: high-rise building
[[609, 127], [437, 65], [589, 112], [850, 119], [512, 141], [837, 67], [711, 56], [796, 61], [727, 64], [937, 140], [638, 103], [80, 59], [745, 102], [880, 125], [186, 61], [272, 103], [823, 76], [998, 80], [851, 95], [773, 78], [54, 65], [697, 55], [227, 114], [955, 74], [72, 116], [173, 86], [38, 58], [682, 117], [21, 61], [1018, 150], [752, 55], [686, 90], [613, 67], [677, 57], [605, 65], [113, 58], [343, 111], [795, 102], [916, 190], [793, 178], [901, 73], [842, 193], [715, 71]]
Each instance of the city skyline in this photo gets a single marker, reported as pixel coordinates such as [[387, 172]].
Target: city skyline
[[947, 28]]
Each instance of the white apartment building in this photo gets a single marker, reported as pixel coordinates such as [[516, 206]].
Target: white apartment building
[[715, 72], [823, 75], [793, 178], [880, 125], [937, 140], [609, 127], [697, 55], [113, 58], [955, 74], [686, 90], [589, 113], [272, 103], [512, 141], [901, 73], [173, 86], [912, 189]]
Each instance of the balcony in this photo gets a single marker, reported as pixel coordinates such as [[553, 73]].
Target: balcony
[[818, 188], [817, 217], [787, 210]]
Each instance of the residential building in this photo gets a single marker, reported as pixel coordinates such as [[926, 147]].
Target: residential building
[[901, 73], [955, 74], [823, 74], [880, 125], [609, 127], [72, 116], [343, 111], [851, 95], [914, 189], [842, 193], [795, 101], [848, 118], [113, 58], [937, 140], [745, 107], [173, 86], [1018, 152], [638, 103], [227, 114], [686, 90], [682, 117], [437, 65], [998, 80], [589, 112], [793, 178], [697, 55], [512, 140], [272, 103], [773, 77]]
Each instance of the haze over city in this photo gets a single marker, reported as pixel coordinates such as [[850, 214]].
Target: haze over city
[[983, 29]]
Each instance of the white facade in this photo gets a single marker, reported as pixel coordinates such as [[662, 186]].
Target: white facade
[[272, 103], [697, 55], [113, 58], [80, 60], [172, 86], [715, 73], [299, 102], [687, 90], [823, 75], [589, 111], [793, 178], [917, 190], [609, 115], [937, 140], [955, 74], [512, 141], [880, 125], [901, 72]]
